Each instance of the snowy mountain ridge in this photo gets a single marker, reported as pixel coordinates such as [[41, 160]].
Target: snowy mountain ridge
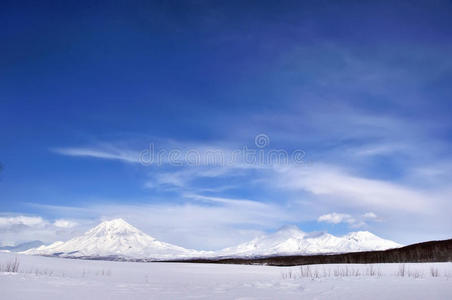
[[291, 240], [117, 238]]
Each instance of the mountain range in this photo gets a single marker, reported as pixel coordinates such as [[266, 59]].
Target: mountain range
[[117, 238], [290, 240]]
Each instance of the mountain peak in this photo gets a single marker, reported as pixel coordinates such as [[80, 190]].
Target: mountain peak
[[113, 229], [113, 238], [115, 222], [362, 235], [290, 229]]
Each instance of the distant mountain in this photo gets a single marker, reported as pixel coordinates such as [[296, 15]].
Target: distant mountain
[[291, 240], [432, 251], [118, 239], [22, 247], [115, 238]]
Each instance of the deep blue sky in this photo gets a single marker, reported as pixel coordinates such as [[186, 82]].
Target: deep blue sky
[[363, 88]]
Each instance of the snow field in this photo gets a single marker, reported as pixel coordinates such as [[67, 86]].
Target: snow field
[[59, 278]]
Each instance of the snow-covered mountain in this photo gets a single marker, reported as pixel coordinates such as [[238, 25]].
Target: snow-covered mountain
[[117, 238], [114, 238], [291, 240]]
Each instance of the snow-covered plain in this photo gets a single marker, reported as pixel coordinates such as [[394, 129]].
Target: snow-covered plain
[[60, 278]]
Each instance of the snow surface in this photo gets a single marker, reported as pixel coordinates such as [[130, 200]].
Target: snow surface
[[58, 278], [118, 238]]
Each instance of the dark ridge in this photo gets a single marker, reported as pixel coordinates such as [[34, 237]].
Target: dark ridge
[[433, 251]]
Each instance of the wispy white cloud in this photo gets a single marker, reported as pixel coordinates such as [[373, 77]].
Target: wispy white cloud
[[101, 152], [13, 221], [336, 185], [353, 221], [15, 229], [336, 218], [184, 176], [379, 149], [243, 203], [61, 223], [370, 215]]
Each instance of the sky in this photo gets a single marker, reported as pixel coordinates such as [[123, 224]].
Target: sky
[[207, 123]]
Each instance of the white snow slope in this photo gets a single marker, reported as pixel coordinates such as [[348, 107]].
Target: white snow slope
[[118, 238], [65, 279]]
